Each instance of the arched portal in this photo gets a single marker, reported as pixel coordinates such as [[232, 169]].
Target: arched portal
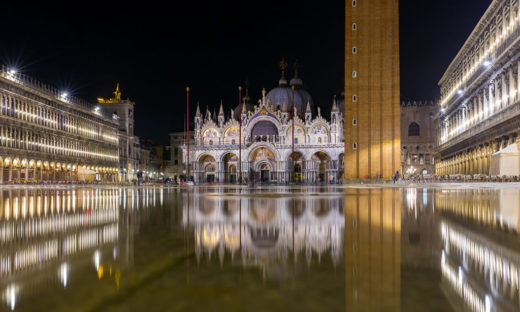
[[321, 163], [296, 163], [265, 172], [262, 162], [208, 166], [230, 163]]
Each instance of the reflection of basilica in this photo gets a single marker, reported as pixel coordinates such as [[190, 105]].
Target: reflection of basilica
[[265, 230], [268, 131]]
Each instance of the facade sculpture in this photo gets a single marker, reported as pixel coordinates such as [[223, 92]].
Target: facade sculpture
[[267, 153]]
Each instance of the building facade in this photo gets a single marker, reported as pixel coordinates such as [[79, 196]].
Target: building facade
[[479, 118], [129, 145], [267, 153], [418, 138], [372, 87], [177, 165], [49, 135]]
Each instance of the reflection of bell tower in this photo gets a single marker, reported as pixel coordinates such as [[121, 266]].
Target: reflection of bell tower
[[372, 108], [373, 250]]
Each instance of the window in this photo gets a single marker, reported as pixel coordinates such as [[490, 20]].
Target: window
[[354, 122], [414, 129], [354, 50], [354, 74], [210, 142], [354, 26], [354, 98], [176, 161], [354, 146], [233, 141], [295, 140]]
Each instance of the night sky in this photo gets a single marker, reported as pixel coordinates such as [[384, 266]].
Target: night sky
[[155, 51]]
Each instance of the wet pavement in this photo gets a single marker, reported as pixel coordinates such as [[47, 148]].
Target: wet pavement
[[418, 248]]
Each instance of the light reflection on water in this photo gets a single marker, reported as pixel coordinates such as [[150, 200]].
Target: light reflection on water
[[343, 249]]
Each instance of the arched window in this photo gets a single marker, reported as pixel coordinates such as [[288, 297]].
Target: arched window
[[414, 129]]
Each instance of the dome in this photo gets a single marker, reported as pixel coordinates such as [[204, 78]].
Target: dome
[[281, 97]]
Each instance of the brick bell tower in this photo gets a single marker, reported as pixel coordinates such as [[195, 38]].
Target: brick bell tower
[[372, 95]]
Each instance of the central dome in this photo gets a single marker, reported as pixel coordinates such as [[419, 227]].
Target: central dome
[[281, 97]]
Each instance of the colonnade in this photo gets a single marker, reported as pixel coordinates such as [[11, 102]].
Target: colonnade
[[312, 171], [474, 160]]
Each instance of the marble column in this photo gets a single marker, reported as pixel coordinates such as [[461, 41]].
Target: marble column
[[512, 86], [498, 96]]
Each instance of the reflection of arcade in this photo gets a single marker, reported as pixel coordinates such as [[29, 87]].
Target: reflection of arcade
[[480, 272], [263, 230], [41, 232]]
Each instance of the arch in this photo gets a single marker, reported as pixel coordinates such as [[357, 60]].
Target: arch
[[231, 135], [210, 135], [263, 129], [320, 134], [299, 134], [414, 129], [262, 153], [296, 164], [321, 162], [230, 163], [208, 166]]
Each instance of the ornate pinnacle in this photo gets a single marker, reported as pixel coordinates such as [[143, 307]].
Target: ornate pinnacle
[[283, 66], [296, 67], [197, 112], [221, 109]]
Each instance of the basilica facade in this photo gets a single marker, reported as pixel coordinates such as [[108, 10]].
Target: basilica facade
[[268, 130]]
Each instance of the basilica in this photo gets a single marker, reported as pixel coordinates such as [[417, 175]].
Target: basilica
[[276, 146]]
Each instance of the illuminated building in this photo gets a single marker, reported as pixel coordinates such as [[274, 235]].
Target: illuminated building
[[49, 135], [129, 145], [372, 88], [478, 115], [177, 165], [418, 138], [267, 153]]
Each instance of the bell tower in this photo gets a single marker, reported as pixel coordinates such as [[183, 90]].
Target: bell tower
[[372, 95]]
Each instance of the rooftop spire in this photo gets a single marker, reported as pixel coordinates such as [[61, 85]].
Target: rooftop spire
[[221, 109], [197, 112], [283, 68], [334, 104], [308, 109]]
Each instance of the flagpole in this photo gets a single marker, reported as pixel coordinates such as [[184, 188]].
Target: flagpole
[[240, 134], [188, 131], [292, 112]]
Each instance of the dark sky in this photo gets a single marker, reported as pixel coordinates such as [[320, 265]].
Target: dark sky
[[154, 50]]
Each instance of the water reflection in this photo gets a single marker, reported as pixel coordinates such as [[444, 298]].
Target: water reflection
[[266, 231], [45, 236], [412, 249], [480, 259]]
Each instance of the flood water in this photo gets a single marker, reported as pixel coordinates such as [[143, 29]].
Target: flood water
[[262, 249]]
